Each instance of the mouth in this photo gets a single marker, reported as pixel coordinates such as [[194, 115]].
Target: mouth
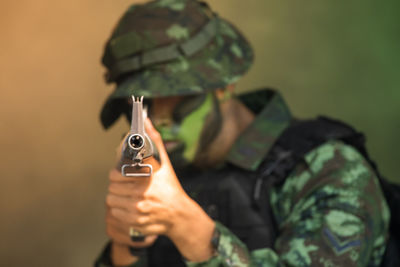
[[171, 145]]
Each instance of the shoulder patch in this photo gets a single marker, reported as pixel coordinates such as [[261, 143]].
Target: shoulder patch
[[338, 246]]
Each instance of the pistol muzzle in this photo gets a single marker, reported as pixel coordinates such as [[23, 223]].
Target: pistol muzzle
[[136, 142]]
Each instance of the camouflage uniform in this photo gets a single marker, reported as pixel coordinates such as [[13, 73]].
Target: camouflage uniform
[[330, 210]]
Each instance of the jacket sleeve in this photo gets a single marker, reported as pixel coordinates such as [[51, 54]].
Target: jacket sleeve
[[330, 212]]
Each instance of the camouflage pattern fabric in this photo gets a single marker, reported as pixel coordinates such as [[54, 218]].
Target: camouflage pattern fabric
[[160, 24], [255, 142], [330, 210]]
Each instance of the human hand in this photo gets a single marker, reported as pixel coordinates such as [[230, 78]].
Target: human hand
[[121, 241], [122, 190], [159, 205]]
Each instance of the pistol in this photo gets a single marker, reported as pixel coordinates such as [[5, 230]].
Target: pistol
[[136, 145]]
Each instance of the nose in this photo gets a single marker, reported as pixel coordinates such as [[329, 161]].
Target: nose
[[161, 121], [162, 109]]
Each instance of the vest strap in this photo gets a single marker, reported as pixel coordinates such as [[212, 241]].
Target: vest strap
[[166, 53]]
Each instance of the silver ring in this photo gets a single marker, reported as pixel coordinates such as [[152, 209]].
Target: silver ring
[[134, 233]]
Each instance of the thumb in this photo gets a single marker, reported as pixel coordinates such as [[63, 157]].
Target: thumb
[[156, 137]]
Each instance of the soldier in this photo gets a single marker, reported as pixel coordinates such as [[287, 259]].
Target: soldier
[[219, 195]]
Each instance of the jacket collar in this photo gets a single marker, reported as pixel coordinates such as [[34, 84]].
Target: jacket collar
[[272, 118]]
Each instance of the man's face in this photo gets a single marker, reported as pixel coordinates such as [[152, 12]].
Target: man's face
[[161, 115], [180, 121]]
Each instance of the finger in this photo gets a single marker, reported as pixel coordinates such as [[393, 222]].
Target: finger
[[144, 220], [121, 189], [156, 137], [125, 239], [123, 216], [123, 228], [145, 224], [123, 222], [117, 236], [119, 226], [127, 217], [133, 190], [153, 229], [156, 212], [145, 206], [122, 202]]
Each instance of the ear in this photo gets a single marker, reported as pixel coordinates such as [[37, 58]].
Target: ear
[[230, 88], [225, 93]]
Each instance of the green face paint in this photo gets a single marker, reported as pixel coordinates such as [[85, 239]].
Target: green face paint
[[187, 132]]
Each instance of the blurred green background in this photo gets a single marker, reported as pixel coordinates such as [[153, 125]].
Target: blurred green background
[[339, 58]]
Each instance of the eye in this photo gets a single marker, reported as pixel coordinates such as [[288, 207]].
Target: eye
[[187, 106], [147, 106], [147, 103]]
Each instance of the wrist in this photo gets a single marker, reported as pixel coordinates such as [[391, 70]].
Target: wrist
[[192, 232], [121, 256]]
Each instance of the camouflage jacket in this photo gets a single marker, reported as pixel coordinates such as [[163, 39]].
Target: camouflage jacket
[[330, 211]]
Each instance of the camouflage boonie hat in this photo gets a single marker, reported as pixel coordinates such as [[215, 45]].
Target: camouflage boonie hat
[[171, 47]]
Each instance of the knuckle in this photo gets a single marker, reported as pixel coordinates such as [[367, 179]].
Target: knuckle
[[109, 200], [110, 188], [132, 207], [142, 220], [149, 198], [132, 219], [139, 221], [147, 194], [141, 206], [158, 229], [112, 173]]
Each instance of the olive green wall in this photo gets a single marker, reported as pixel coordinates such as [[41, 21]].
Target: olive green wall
[[339, 58]]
